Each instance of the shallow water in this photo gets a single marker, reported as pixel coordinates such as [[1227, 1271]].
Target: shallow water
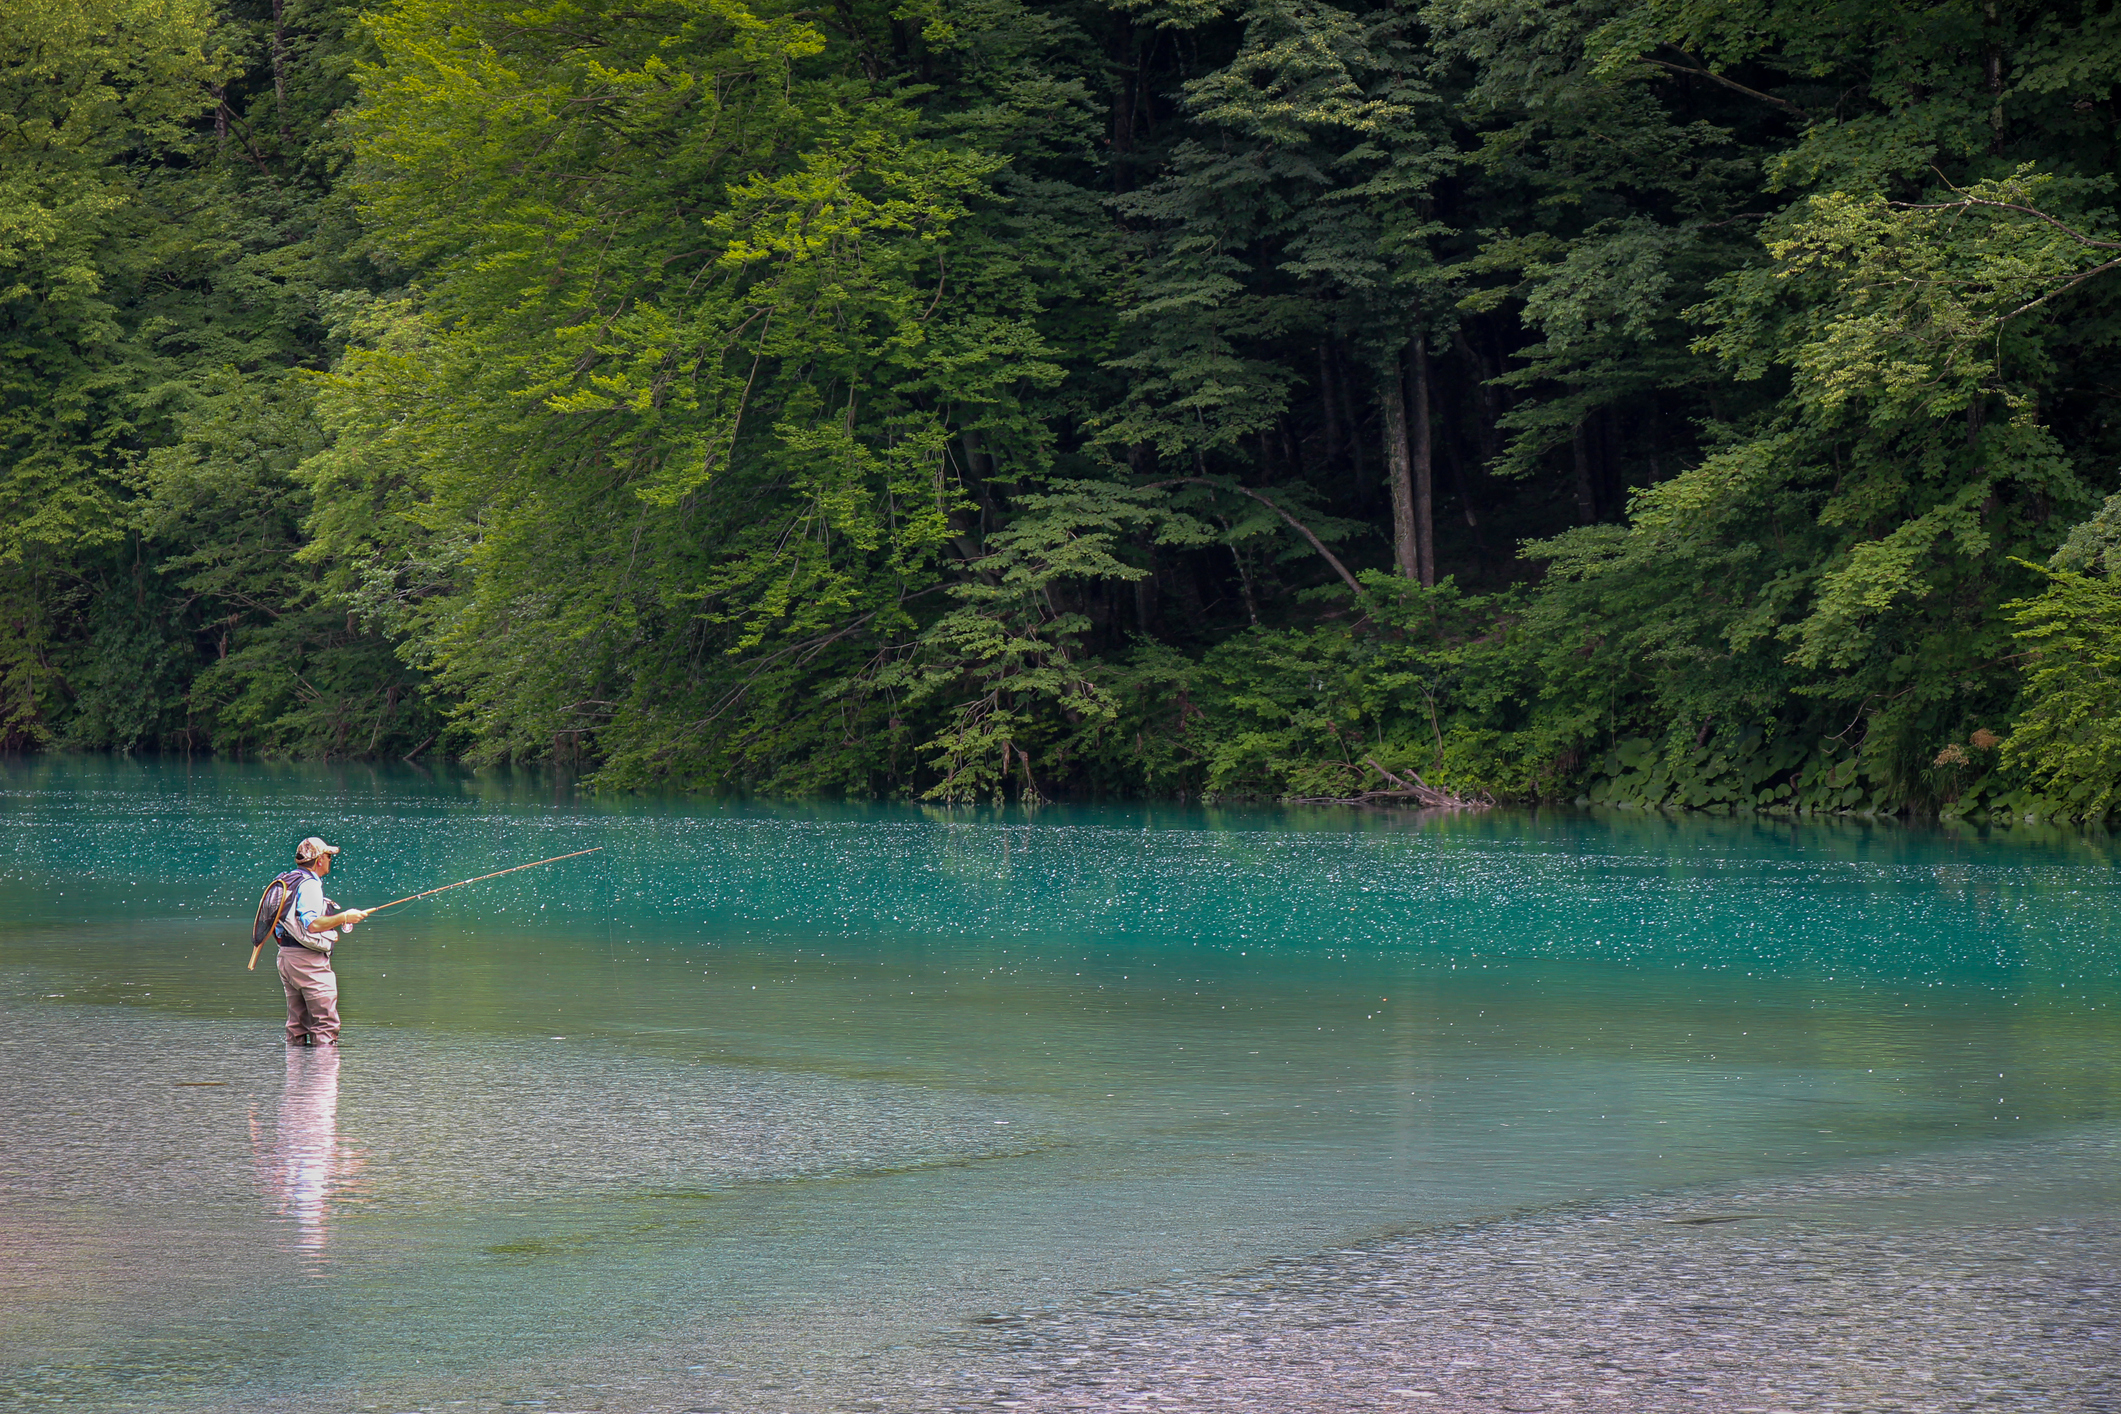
[[818, 1108]]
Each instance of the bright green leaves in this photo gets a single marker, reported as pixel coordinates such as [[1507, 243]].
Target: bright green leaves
[[866, 182], [91, 92], [2095, 546], [700, 336], [1913, 335], [957, 397], [2068, 739], [1914, 309], [855, 239], [505, 139], [1302, 70], [85, 86]]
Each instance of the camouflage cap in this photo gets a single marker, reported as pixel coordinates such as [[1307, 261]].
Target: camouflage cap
[[311, 848]]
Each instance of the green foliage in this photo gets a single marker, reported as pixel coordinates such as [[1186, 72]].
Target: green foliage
[[2068, 738], [167, 263], [972, 400], [615, 439], [2095, 546], [291, 672]]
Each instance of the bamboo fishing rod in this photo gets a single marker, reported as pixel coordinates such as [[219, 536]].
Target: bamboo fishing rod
[[372, 912]]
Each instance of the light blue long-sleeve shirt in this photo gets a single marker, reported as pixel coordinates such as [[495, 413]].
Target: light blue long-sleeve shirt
[[309, 899]]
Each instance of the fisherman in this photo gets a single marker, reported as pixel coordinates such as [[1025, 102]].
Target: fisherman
[[306, 934]]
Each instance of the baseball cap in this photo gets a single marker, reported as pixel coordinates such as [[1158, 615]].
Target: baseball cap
[[312, 847]]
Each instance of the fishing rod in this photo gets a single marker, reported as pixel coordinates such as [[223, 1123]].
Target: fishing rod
[[372, 912], [426, 893]]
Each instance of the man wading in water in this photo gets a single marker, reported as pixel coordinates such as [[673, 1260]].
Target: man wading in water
[[306, 933]]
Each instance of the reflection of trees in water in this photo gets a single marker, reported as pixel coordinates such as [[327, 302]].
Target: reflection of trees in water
[[305, 1166]]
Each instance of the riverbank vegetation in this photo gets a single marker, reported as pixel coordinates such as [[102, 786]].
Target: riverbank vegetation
[[1659, 404]]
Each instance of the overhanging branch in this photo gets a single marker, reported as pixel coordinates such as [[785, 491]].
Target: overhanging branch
[[1260, 496], [1712, 76]]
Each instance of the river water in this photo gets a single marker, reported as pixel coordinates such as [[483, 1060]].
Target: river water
[[820, 1108]]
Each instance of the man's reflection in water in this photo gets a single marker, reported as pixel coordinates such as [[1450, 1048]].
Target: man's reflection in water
[[306, 1166]]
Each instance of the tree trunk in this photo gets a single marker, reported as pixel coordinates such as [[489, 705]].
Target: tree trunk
[[1399, 459], [1244, 580], [968, 528], [1329, 396], [1122, 141], [279, 73], [1424, 469], [1353, 424], [1477, 374], [1145, 600], [1463, 485], [1613, 482], [1586, 493]]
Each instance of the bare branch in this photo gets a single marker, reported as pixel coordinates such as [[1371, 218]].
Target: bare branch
[[1298, 526], [1713, 77], [2061, 289], [1965, 202], [1415, 791]]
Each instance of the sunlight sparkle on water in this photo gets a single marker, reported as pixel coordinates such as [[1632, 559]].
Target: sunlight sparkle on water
[[787, 1107]]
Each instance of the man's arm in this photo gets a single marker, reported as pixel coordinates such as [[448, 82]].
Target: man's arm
[[310, 904]]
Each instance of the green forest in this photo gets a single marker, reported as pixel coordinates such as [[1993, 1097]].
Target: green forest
[[1651, 403]]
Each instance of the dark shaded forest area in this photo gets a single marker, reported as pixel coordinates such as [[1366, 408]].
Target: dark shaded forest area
[[1675, 403]]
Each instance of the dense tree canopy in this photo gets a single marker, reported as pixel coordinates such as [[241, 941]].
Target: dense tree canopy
[[1655, 402]]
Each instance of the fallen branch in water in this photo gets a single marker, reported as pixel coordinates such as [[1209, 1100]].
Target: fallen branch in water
[[1412, 790]]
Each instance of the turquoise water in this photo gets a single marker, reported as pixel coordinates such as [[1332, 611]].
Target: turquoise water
[[765, 1106]]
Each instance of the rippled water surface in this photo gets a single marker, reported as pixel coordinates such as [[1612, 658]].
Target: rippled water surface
[[832, 1108]]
